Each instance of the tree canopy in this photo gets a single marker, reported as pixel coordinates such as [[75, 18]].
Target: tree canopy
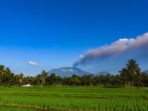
[[129, 76]]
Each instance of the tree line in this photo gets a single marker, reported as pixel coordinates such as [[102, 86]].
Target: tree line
[[129, 76]]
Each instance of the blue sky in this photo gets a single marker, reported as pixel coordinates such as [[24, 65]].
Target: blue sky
[[54, 33]]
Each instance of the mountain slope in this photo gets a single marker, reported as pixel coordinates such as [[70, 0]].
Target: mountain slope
[[146, 71], [103, 73], [68, 71]]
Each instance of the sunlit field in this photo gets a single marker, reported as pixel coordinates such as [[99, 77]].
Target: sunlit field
[[73, 99]]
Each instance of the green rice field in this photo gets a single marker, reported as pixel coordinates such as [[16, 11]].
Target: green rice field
[[73, 99]]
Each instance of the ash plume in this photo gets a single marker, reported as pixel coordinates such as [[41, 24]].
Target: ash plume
[[117, 51]]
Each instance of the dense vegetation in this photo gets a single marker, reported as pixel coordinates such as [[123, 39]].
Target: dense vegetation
[[65, 98], [75, 93], [130, 76]]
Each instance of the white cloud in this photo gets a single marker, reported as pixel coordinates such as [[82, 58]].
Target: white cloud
[[32, 63], [81, 56]]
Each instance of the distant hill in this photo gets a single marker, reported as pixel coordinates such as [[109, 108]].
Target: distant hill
[[103, 73], [68, 71], [146, 71]]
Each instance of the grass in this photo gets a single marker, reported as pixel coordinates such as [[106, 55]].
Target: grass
[[73, 99]]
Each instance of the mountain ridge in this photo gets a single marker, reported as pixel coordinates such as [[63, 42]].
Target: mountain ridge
[[68, 71]]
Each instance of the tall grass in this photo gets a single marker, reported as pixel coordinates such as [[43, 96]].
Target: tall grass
[[75, 99]]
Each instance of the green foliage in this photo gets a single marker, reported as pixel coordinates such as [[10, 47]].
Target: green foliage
[[130, 76], [65, 98], [5, 76], [73, 99]]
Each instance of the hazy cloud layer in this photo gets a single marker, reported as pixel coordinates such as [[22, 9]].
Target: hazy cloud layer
[[33, 63], [111, 57]]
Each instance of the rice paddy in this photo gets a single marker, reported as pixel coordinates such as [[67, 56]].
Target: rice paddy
[[73, 99]]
